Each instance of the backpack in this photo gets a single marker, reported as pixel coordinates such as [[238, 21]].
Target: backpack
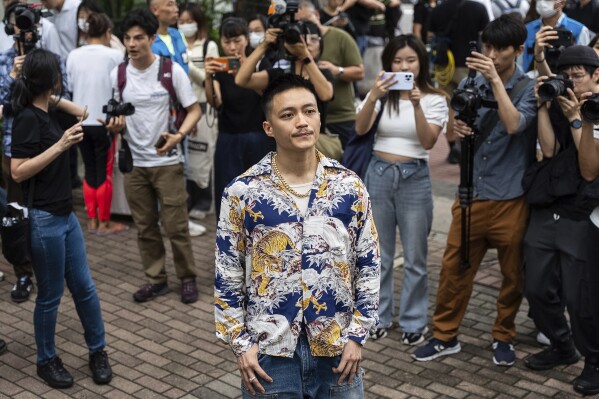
[[165, 76]]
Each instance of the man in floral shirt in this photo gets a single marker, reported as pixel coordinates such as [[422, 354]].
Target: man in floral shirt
[[297, 260]]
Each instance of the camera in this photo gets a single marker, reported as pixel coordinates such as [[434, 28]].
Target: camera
[[468, 100], [554, 87], [284, 19], [590, 108], [565, 39], [27, 18], [114, 108]]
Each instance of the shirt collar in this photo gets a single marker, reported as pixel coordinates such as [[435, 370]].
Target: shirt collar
[[264, 167]]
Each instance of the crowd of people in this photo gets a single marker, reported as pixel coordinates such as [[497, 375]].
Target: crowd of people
[[305, 246]]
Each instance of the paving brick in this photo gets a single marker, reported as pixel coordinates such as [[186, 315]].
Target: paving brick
[[385, 392]]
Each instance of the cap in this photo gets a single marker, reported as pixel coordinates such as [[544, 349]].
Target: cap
[[578, 55]]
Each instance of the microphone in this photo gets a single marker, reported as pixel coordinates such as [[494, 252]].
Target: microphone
[[277, 7]]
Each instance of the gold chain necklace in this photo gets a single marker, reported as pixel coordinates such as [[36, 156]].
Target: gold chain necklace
[[284, 185]]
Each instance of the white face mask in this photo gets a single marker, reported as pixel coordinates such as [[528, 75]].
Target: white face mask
[[83, 24], [256, 38], [188, 30], [545, 8]]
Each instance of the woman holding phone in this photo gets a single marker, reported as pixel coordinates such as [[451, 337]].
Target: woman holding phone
[[398, 176], [40, 161]]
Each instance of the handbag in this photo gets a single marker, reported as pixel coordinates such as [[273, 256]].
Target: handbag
[[358, 150], [16, 232], [125, 159]]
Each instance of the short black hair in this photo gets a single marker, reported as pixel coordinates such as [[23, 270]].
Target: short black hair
[[143, 18], [233, 27], [283, 83], [505, 31]]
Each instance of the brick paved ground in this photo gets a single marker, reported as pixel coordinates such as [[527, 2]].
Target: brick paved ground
[[164, 349]]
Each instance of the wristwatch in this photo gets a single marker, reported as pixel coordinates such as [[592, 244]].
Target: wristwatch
[[341, 71], [576, 124]]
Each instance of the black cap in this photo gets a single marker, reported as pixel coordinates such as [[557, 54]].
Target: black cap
[[578, 55]]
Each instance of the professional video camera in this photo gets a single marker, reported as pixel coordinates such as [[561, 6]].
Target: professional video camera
[[282, 16], [27, 18], [554, 87], [114, 108], [590, 108]]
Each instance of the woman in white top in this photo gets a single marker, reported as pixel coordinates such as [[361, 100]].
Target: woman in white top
[[88, 72], [398, 179]]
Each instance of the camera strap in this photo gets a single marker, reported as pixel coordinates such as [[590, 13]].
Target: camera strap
[[492, 117]]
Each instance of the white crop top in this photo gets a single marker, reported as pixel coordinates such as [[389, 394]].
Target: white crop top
[[396, 134]]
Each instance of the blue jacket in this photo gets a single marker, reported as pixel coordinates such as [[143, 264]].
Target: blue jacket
[[180, 56], [534, 26]]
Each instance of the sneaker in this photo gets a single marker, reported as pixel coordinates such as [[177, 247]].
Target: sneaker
[[542, 339], [377, 333], [98, 364], [196, 229], [197, 214], [503, 354], [436, 348], [3, 346], [189, 291], [552, 356], [414, 338], [22, 289], [54, 373], [150, 291], [588, 382]]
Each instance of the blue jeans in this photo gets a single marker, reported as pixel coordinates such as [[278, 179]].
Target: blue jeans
[[59, 254], [402, 197], [304, 376]]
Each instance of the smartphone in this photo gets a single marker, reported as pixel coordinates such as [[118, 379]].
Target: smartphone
[[404, 80], [160, 143], [230, 63], [83, 114]]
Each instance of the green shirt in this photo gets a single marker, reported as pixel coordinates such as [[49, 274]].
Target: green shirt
[[340, 49]]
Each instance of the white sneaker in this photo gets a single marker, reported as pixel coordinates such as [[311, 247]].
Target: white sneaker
[[196, 229], [542, 339], [197, 214]]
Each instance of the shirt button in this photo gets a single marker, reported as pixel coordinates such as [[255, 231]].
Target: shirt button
[[484, 158], [489, 142], [480, 177]]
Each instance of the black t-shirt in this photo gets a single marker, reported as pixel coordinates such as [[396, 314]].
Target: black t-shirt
[[471, 19], [360, 18], [274, 73], [33, 132], [587, 15], [240, 111], [422, 11]]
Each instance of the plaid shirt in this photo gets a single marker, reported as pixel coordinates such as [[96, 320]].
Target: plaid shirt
[[280, 271], [6, 83]]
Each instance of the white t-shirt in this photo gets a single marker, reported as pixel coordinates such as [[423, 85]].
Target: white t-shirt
[[595, 213], [396, 134], [301, 202], [152, 108], [88, 74], [65, 22]]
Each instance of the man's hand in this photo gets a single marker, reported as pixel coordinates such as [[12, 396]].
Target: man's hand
[[540, 81], [461, 128], [116, 124], [17, 66], [483, 64], [349, 366], [171, 141], [569, 105], [333, 69], [542, 39], [250, 369], [299, 49]]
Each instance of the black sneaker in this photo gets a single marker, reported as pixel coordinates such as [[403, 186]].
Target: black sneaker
[[189, 291], [22, 289], [54, 373], [552, 356], [413, 338], [98, 364], [377, 333], [588, 382], [3, 346], [150, 291]]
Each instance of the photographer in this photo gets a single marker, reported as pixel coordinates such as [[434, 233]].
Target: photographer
[[11, 63], [555, 245], [498, 212]]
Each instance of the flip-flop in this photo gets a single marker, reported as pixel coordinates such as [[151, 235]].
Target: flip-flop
[[91, 229], [116, 228]]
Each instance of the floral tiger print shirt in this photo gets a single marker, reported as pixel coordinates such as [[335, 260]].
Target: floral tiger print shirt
[[280, 271]]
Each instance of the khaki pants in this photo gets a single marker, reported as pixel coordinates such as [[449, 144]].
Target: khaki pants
[[146, 188], [494, 224]]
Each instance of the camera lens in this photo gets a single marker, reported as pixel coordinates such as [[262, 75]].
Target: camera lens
[[25, 20], [551, 89], [460, 102], [590, 109]]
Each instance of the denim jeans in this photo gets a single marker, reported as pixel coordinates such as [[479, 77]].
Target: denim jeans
[[401, 196], [304, 377], [59, 254]]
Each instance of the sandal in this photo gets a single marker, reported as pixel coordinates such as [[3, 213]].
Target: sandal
[[92, 225], [112, 228]]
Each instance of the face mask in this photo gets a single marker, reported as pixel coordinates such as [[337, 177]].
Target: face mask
[[188, 30], [83, 24], [256, 38], [545, 8]]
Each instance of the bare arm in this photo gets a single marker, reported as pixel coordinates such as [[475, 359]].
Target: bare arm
[[247, 76], [428, 133], [212, 87], [366, 117]]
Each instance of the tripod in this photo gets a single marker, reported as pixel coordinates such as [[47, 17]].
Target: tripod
[[466, 192]]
